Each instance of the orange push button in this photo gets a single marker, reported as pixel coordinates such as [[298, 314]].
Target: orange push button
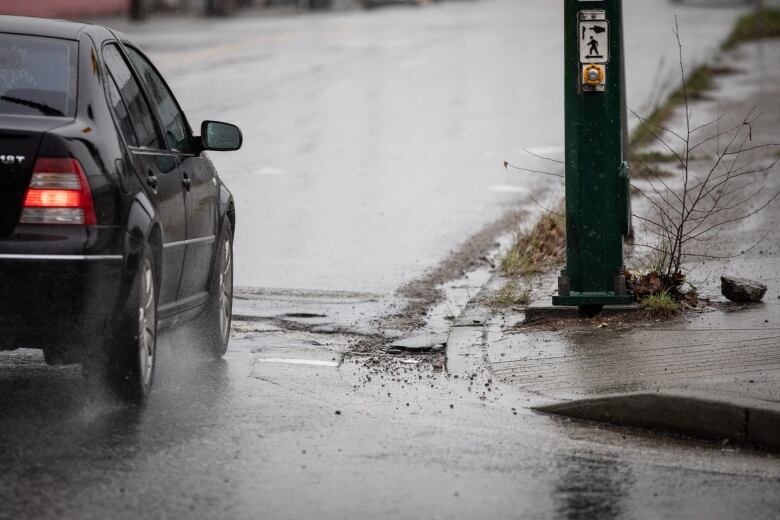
[[593, 75]]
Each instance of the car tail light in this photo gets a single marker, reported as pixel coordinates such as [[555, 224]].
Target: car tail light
[[58, 194]]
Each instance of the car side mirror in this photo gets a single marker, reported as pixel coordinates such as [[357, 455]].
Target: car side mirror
[[220, 137]]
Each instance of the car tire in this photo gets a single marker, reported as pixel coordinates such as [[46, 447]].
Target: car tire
[[217, 315], [125, 365]]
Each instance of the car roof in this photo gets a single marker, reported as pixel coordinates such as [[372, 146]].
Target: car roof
[[41, 27]]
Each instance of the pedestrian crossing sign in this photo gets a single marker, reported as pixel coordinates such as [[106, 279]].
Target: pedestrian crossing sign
[[594, 41]]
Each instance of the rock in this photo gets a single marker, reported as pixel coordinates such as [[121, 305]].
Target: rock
[[424, 342], [741, 290]]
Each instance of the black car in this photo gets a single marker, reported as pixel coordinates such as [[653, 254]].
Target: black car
[[113, 222]]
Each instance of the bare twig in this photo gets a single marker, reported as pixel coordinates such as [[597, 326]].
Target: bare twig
[[695, 212], [548, 210], [542, 157], [507, 165]]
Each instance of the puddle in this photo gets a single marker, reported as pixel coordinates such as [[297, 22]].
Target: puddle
[[303, 315]]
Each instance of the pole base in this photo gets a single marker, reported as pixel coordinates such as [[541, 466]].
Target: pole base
[[587, 298]]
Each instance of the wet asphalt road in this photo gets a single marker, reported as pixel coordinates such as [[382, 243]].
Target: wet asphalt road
[[375, 139], [372, 150], [252, 439]]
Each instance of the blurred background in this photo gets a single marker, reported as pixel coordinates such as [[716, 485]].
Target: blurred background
[[140, 9], [375, 130]]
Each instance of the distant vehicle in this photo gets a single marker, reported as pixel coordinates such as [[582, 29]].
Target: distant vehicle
[[377, 3], [113, 223]]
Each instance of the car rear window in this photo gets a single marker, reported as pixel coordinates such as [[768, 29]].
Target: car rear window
[[37, 75]]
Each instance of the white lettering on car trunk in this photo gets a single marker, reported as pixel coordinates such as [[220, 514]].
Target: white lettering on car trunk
[[12, 159]]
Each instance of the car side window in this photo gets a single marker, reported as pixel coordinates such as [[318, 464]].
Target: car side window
[[120, 111], [177, 134], [130, 92]]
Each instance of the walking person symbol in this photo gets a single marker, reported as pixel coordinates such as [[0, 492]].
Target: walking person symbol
[[594, 48]]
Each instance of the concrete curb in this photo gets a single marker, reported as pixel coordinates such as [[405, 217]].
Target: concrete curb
[[698, 415], [692, 414], [465, 348]]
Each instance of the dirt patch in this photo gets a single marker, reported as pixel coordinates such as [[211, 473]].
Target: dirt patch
[[368, 345], [618, 321], [614, 319], [422, 294], [426, 292]]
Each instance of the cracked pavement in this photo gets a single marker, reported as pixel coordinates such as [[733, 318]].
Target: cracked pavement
[[373, 149]]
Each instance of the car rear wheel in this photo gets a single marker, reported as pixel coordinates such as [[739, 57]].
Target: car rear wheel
[[146, 341], [126, 363]]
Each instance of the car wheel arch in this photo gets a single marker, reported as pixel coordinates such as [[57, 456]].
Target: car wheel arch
[[154, 239], [143, 227], [227, 207], [230, 214]]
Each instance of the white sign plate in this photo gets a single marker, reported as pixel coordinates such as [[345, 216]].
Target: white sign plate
[[594, 41]]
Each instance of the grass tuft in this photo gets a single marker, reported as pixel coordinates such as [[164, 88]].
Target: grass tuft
[[510, 294], [538, 249], [761, 23], [653, 157], [660, 305], [650, 171]]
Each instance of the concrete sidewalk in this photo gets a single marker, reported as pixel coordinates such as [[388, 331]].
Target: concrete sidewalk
[[705, 375], [713, 373]]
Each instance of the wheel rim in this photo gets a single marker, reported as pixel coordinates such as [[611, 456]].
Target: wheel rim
[[147, 318], [225, 291]]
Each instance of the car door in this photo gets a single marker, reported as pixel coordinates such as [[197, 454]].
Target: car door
[[157, 167], [199, 180]]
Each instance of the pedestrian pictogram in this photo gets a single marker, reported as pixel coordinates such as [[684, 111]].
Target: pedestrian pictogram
[[593, 45], [594, 41]]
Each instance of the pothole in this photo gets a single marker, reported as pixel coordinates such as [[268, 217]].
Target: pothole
[[301, 315]]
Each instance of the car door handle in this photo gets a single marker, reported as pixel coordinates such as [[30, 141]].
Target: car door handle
[[151, 180], [187, 182]]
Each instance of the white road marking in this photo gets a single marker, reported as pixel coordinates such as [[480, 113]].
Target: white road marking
[[312, 362]]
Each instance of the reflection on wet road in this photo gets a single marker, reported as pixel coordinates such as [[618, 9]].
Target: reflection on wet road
[[374, 437]]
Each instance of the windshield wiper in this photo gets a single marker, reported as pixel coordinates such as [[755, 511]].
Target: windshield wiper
[[43, 108]]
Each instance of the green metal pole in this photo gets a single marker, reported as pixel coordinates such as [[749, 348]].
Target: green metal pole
[[597, 213]]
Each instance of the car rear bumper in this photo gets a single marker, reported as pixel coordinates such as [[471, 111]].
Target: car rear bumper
[[57, 299]]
